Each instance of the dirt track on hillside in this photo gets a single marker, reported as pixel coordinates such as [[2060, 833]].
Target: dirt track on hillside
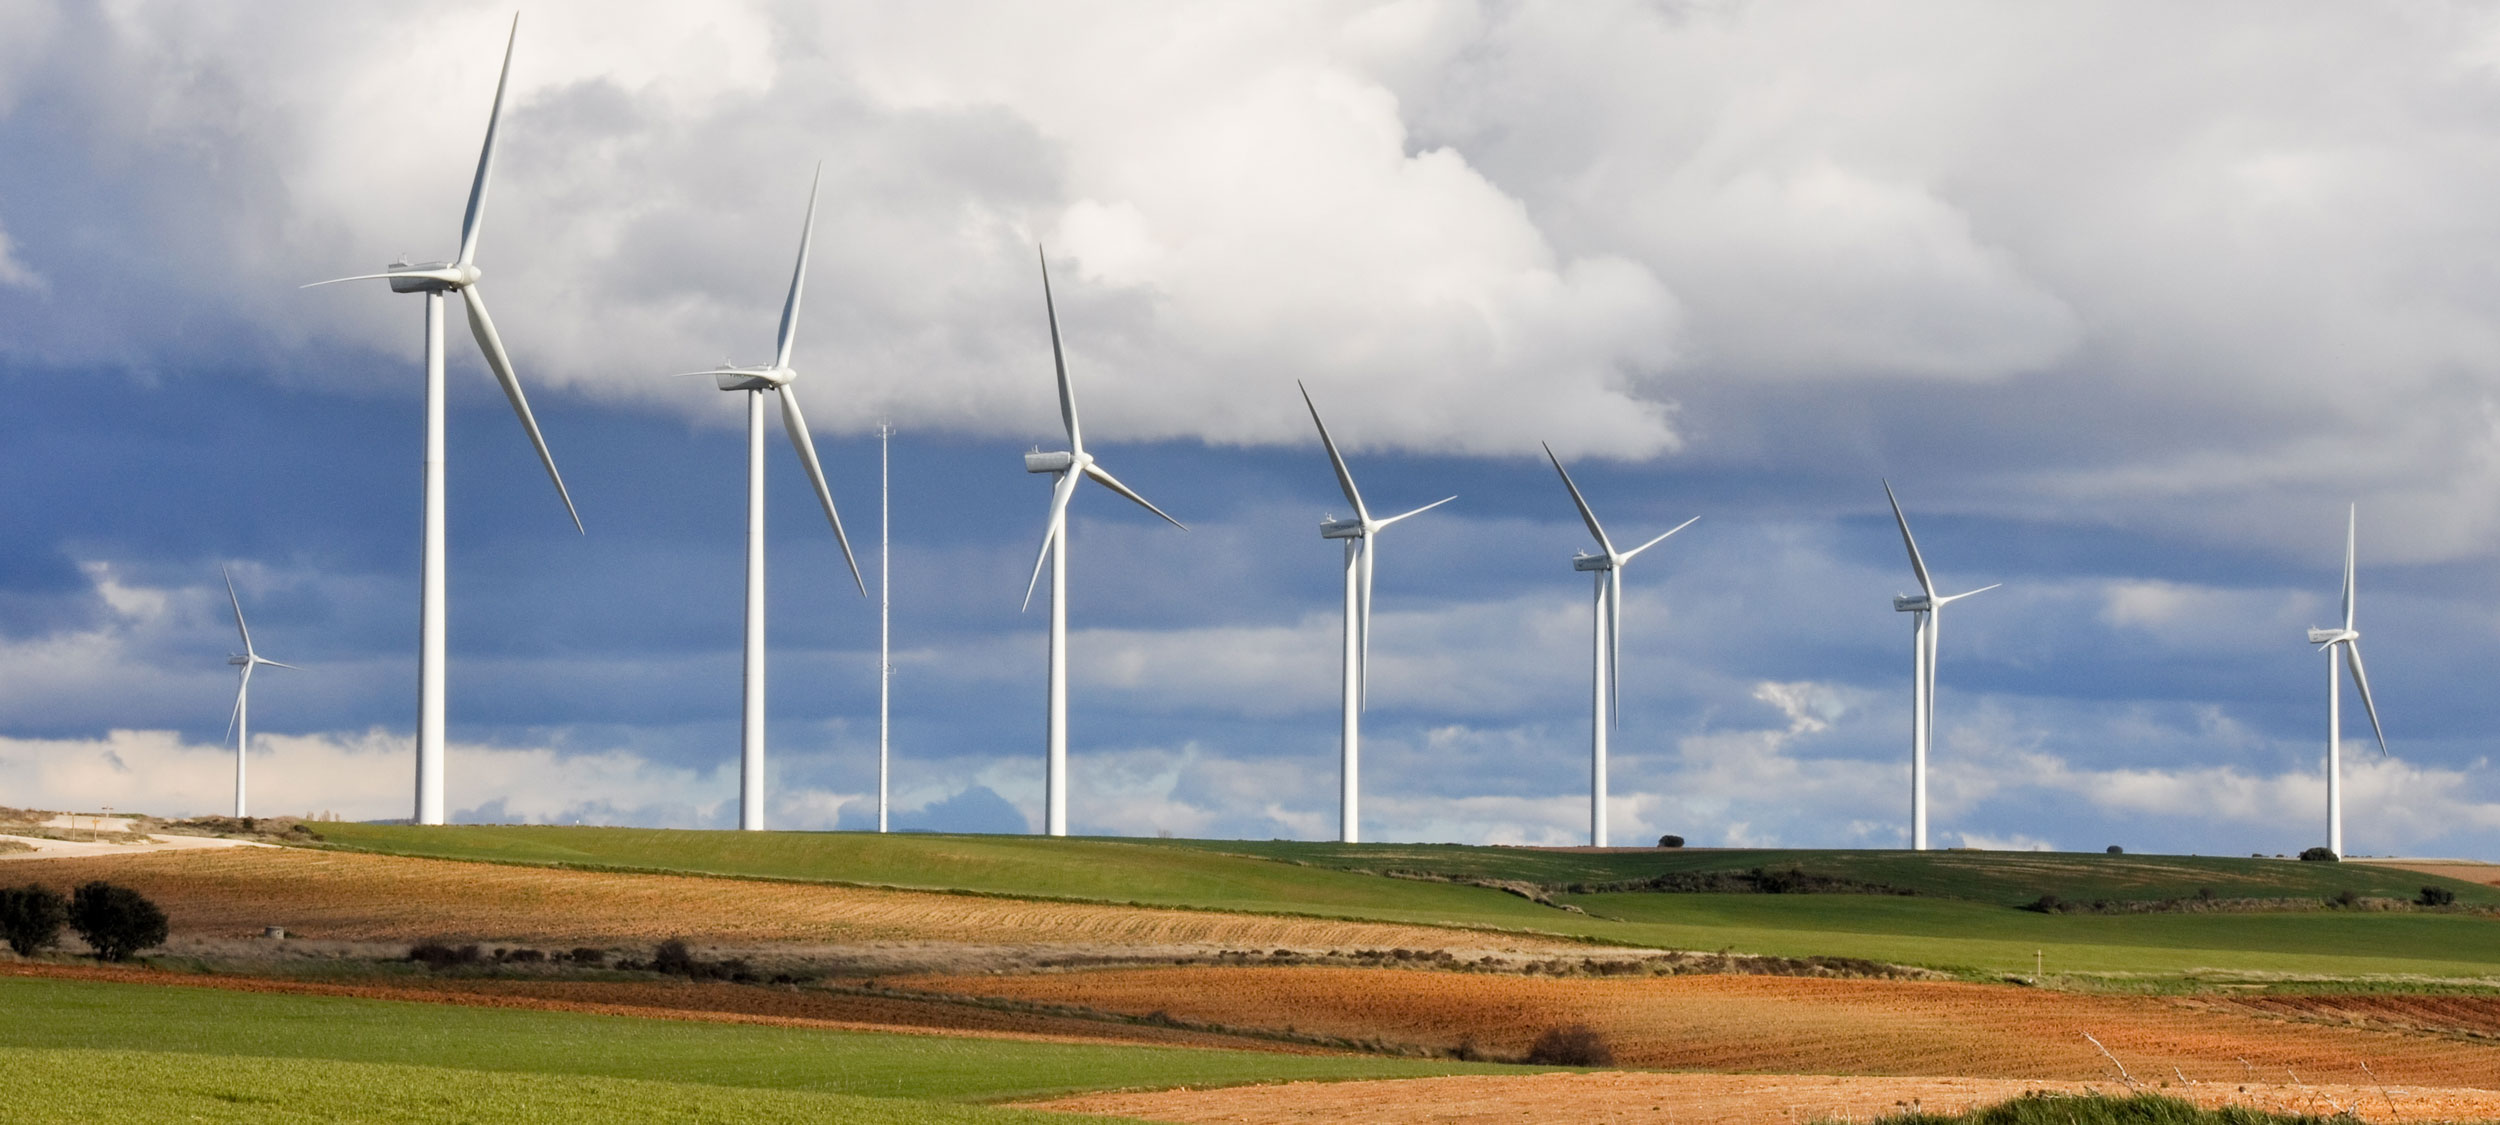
[[1786, 1024], [357, 897], [1714, 1099]]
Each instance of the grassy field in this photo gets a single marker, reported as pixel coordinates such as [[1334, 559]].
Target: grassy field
[[85, 1015], [51, 1085], [1960, 921]]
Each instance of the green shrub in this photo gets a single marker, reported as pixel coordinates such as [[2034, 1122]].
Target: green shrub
[[117, 921], [31, 917], [2042, 1108], [2319, 855], [2437, 896]]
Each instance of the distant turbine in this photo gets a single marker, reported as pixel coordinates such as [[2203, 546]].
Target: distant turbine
[[2349, 639], [239, 723], [1606, 645], [1928, 610], [885, 607], [1071, 466], [435, 279], [1357, 533], [775, 377]]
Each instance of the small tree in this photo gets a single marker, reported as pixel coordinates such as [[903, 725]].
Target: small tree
[[2116, 850], [2319, 855], [117, 921], [2437, 896], [31, 917], [1576, 1045]]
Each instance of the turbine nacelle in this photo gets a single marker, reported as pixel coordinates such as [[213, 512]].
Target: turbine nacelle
[[1914, 603], [2332, 636], [760, 378], [430, 277], [1058, 462], [1344, 529], [1593, 562]]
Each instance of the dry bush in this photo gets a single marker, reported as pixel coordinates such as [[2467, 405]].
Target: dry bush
[[1575, 1045]]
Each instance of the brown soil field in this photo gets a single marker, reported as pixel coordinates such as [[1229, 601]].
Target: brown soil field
[[346, 896], [1715, 1099], [2458, 1016], [704, 1002], [1779, 1024], [2487, 874]]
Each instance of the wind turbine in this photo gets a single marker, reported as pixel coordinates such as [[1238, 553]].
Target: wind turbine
[[1927, 610], [2349, 639], [1073, 465], [1357, 533], [754, 382], [239, 724], [435, 279], [1606, 645]]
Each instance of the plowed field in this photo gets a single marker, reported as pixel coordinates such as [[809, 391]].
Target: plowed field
[[1775, 1024], [1713, 1099], [235, 892]]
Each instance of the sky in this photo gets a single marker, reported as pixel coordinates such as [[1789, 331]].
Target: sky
[[2128, 301]]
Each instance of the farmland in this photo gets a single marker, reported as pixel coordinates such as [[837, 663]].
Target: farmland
[[955, 978]]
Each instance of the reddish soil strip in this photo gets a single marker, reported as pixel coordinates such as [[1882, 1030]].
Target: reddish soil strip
[[349, 896], [1775, 1024], [2487, 874], [711, 1003], [1710, 1099]]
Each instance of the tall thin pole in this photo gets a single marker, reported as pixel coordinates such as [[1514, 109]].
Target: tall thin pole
[[1055, 781], [1350, 727], [2334, 755], [885, 608], [430, 599], [1921, 717], [1597, 717], [751, 733], [242, 737]]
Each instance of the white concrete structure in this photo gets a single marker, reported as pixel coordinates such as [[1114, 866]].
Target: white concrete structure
[[2349, 640], [1925, 606], [1071, 466], [755, 382], [1355, 691], [435, 279], [1606, 643]]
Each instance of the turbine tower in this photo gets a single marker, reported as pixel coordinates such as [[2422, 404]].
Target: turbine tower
[[1606, 644], [1071, 466], [239, 723], [885, 611], [754, 382], [1357, 533], [2348, 639], [433, 279], [1926, 608]]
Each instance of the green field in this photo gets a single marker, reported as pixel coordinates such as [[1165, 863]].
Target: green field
[[55, 1015], [81, 1085], [1962, 918]]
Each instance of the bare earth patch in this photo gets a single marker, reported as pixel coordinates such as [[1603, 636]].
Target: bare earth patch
[[1772, 1024], [346, 896], [1711, 1099]]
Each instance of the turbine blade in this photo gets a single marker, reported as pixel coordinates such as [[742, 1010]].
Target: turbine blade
[[1614, 646], [798, 277], [1635, 552], [1603, 543], [476, 215], [239, 626], [1104, 478], [2361, 679], [1416, 512], [1345, 476], [274, 663], [796, 423], [1059, 360], [1363, 617], [358, 277], [1051, 531], [482, 326], [1966, 593], [236, 714], [1926, 585], [2352, 528]]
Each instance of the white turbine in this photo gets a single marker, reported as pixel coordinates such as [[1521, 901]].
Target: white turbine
[[1071, 466], [1926, 606], [1357, 533], [885, 608], [435, 279], [2348, 639], [1606, 645], [239, 724], [775, 377]]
